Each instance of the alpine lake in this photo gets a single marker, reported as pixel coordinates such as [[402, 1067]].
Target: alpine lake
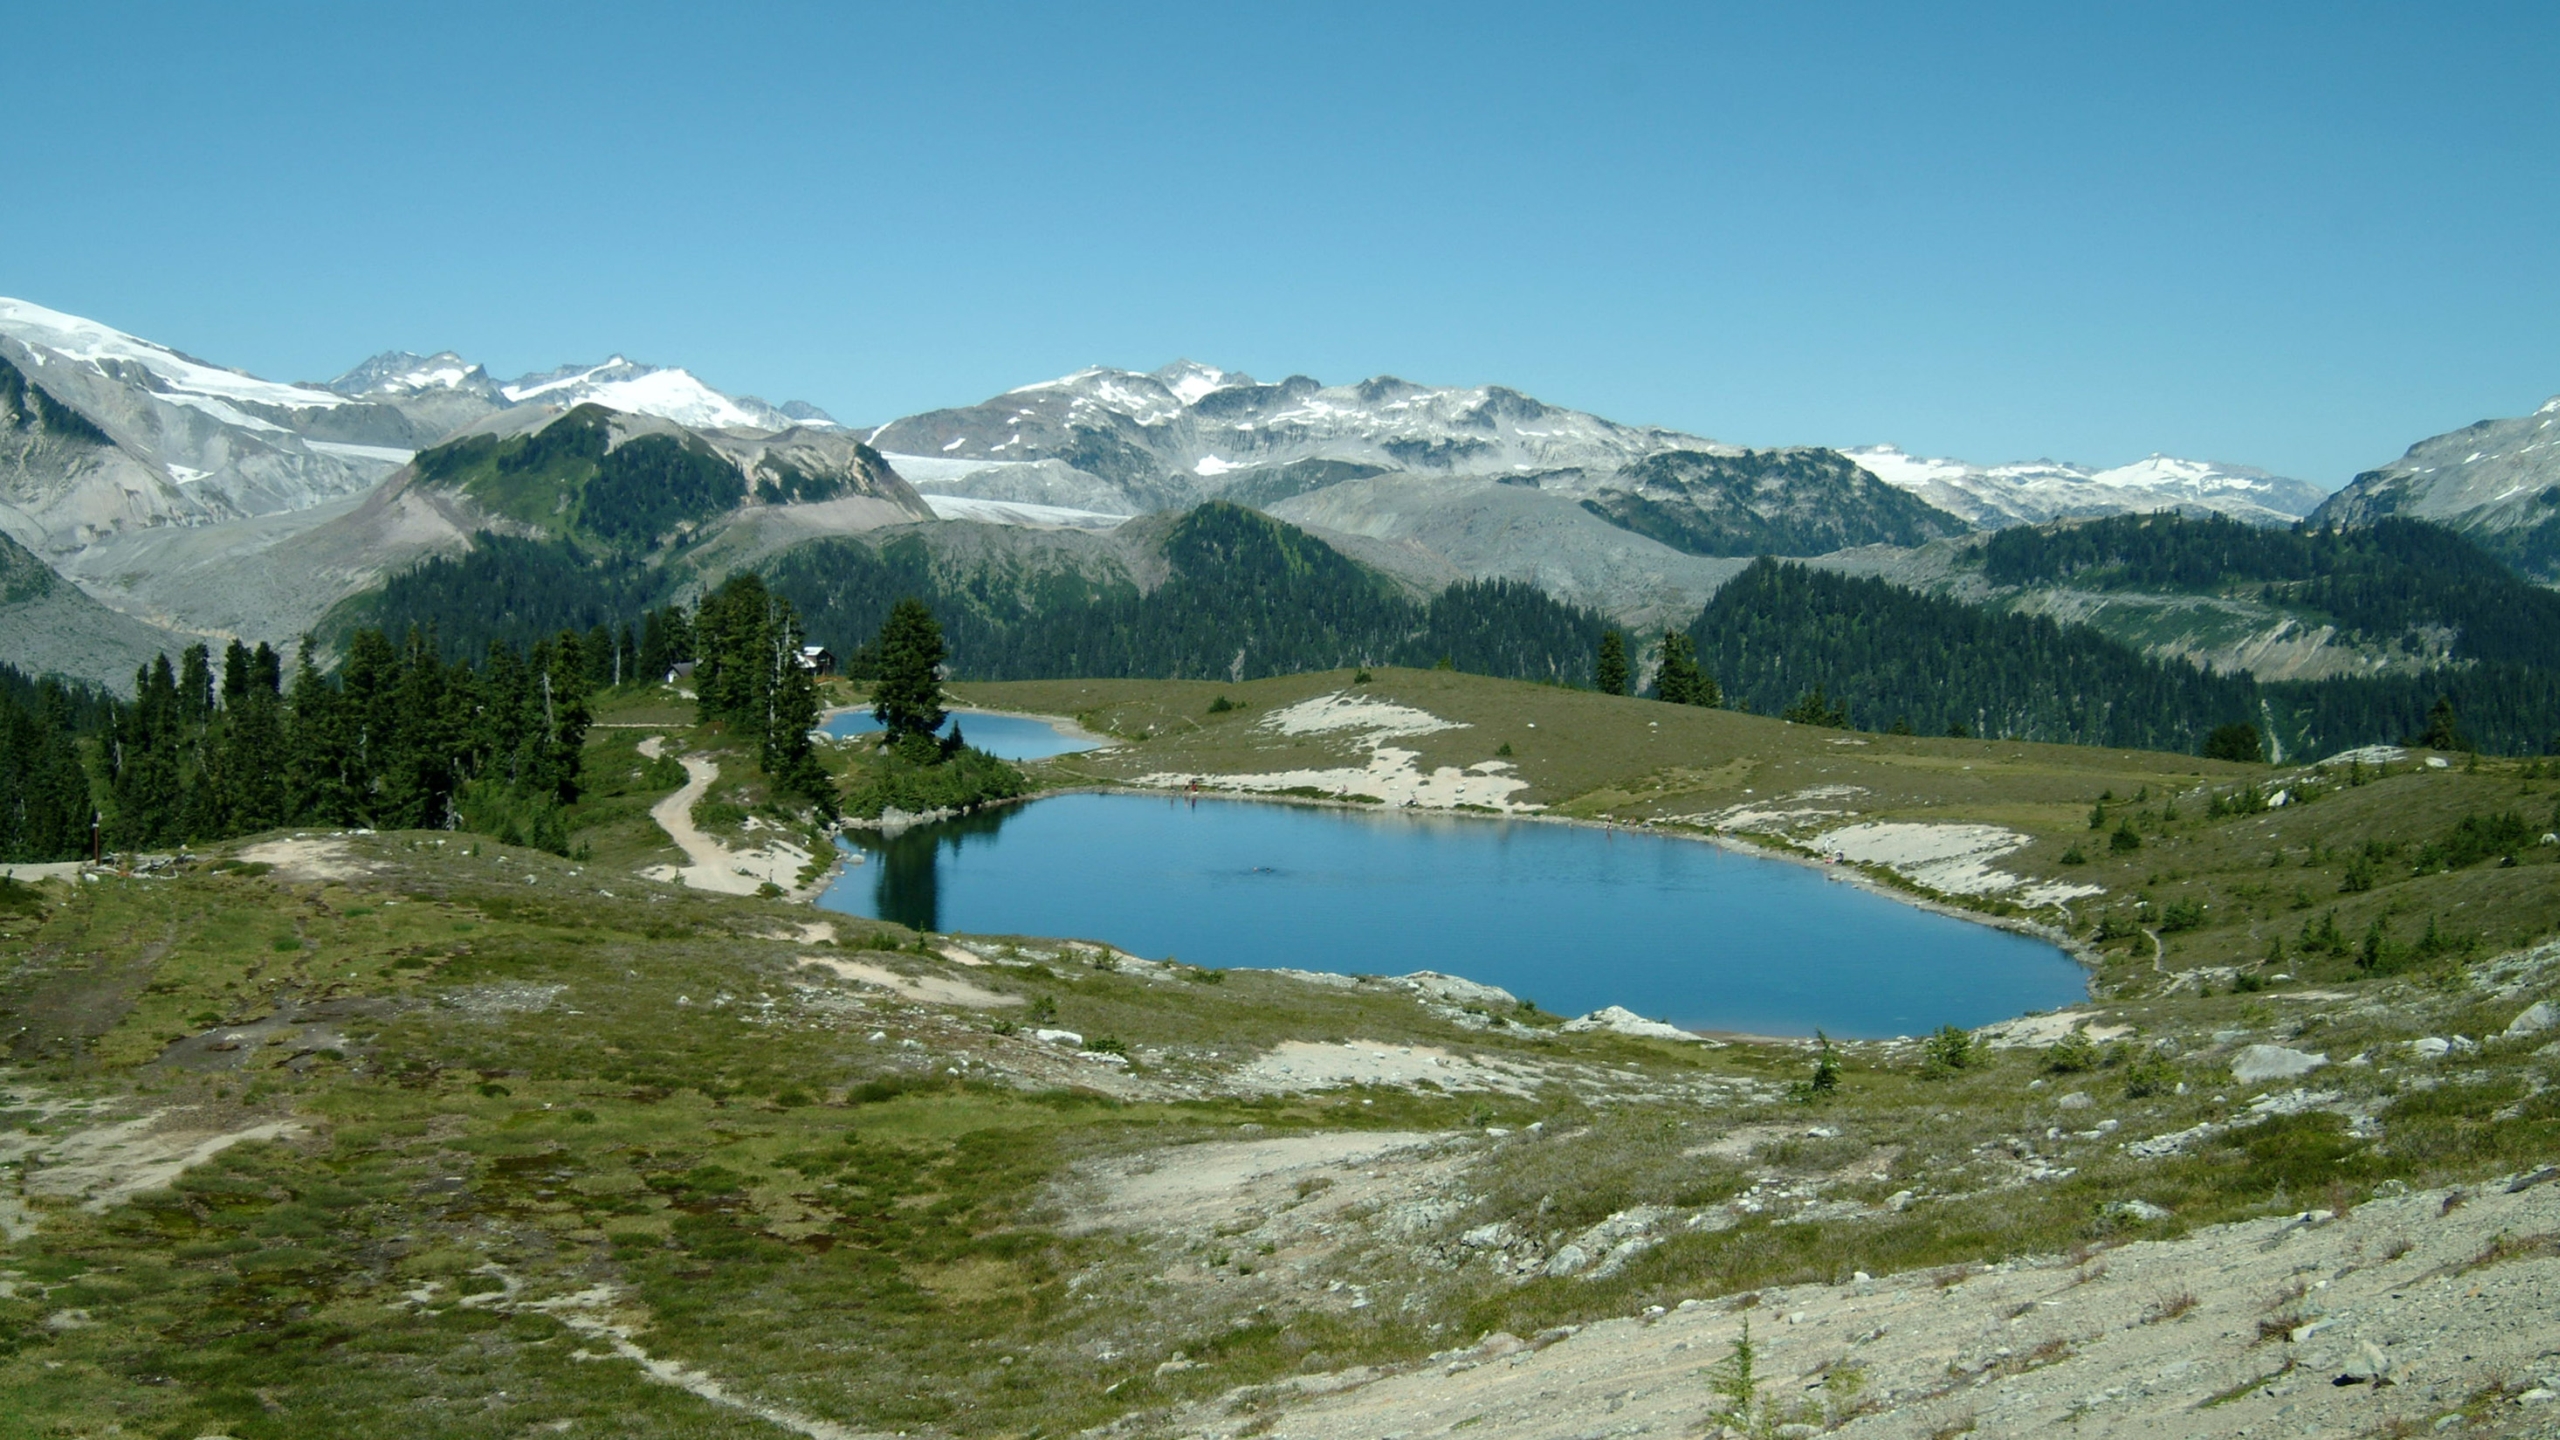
[[1574, 917]]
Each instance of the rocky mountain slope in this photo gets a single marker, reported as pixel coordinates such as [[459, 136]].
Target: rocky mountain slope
[[47, 626], [2497, 481], [2031, 492], [109, 433]]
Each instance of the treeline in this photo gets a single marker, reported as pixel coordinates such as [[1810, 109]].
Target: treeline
[[1247, 596], [1883, 656], [398, 739], [44, 784], [2382, 581]]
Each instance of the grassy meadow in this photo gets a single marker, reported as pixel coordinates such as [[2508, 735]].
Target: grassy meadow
[[401, 1134]]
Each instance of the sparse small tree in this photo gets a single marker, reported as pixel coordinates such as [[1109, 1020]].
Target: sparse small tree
[[1610, 672], [1948, 1050], [2444, 728], [1682, 682], [2235, 742], [1826, 1066]]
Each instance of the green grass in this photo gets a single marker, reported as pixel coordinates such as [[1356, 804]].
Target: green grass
[[548, 1074]]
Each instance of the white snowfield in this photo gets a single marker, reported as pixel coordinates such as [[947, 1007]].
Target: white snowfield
[[1951, 859], [183, 379], [671, 394], [2034, 491]]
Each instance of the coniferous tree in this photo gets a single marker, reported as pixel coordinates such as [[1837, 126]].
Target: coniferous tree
[[2444, 728], [1682, 682], [1610, 672], [907, 700]]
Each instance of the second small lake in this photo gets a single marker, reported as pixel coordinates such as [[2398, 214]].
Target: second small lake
[[1573, 917], [1008, 737]]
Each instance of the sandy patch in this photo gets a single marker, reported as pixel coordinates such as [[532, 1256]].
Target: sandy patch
[[1951, 859], [2038, 1031], [63, 870], [922, 989], [1310, 1065], [301, 859], [1377, 719], [715, 867], [816, 932], [107, 1165], [1195, 1186]]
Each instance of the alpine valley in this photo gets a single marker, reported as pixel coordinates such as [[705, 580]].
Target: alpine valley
[[150, 499]]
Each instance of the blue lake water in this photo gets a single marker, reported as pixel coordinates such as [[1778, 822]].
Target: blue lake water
[[1571, 917], [1010, 737]]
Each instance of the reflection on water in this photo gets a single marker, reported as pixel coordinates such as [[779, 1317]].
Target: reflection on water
[[904, 868], [1574, 917]]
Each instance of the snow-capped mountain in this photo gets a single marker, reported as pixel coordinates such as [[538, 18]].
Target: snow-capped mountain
[[2497, 481], [2034, 491], [399, 373], [149, 435], [146, 435], [671, 394], [1128, 442]]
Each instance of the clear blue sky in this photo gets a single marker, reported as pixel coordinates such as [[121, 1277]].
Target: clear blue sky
[[2292, 236]]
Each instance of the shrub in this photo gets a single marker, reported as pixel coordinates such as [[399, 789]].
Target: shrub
[[1949, 1050], [2150, 1074], [2124, 841], [1221, 705], [2072, 1054], [965, 778]]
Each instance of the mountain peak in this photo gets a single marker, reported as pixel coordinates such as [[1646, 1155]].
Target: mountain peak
[[403, 372]]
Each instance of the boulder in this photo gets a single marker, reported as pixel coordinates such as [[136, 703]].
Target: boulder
[[1624, 1021], [2256, 1064], [2534, 1019], [2142, 1210]]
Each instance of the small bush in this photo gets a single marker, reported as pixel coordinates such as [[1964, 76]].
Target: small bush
[[1221, 705], [2124, 841], [2073, 856], [2073, 1054], [1949, 1050], [2150, 1074]]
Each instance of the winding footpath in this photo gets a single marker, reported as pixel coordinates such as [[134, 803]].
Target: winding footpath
[[714, 866]]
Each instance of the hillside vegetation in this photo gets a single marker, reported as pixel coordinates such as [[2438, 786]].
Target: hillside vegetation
[[355, 1134]]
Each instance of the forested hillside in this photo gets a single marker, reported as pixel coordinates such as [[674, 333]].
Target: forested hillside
[[505, 590], [1247, 596], [1887, 656], [1892, 656], [2381, 582]]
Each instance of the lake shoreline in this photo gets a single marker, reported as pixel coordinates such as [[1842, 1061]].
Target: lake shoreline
[[2069, 946]]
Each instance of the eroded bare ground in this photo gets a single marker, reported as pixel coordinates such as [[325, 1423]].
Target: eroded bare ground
[[2408, 1310]]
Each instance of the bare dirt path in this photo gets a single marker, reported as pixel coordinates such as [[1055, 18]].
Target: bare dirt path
[[715, 866]]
